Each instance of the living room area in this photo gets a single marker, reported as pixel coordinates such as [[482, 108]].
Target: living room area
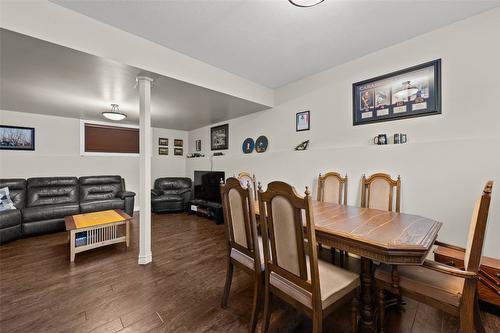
[[150, 150]]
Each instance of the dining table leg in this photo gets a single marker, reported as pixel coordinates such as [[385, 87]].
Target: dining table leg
[[367, 322]]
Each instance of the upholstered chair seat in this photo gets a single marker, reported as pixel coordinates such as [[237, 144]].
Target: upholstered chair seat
[[246, 260]]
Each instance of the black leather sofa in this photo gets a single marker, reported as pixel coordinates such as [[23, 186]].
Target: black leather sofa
[[170, 194], [42, 203]]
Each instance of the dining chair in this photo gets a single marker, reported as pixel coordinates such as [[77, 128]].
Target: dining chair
[[293, 271], [244, 246], [245, 178], [377, 192], [332, 187], [445, 287]]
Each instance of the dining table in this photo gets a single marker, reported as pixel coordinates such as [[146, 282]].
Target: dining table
[[375, 236]]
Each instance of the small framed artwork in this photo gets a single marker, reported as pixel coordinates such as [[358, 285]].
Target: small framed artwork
[[17, 138], [411, 92], [303, 121], [197, 144], [178, 151], [219, 137], [163, 151], [178, 143], [162, 142]]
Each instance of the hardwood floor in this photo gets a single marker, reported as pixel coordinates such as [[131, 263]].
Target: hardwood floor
[[105, 290]]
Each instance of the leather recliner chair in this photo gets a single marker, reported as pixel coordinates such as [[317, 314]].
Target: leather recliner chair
[[10, 220], [103, 193], [171, 194]]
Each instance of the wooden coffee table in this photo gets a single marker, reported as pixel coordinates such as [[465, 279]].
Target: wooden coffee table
[[97, 229]]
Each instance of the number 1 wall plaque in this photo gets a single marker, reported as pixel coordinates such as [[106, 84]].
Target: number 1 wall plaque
[[411, 92]]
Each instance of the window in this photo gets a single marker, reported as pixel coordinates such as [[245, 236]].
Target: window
[[104, 138]]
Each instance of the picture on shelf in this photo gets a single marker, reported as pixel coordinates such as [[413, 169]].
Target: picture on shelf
[[162, 142], [17, 138], [163, 151], [178, 142], [219, 137], [302, 121], [198, 145], [178, 151], [412, 92]]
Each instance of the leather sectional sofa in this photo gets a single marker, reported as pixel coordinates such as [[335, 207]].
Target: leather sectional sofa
[[171, 194], [42, 203]]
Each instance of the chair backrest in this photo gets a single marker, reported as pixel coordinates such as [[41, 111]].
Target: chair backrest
[[51, 191], [239, 217], [332, 187], [477, 229], [248, 180], [378, 192], [282, 216], [100, 187]]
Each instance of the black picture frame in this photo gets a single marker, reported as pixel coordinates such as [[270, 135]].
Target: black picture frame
[[162, 141], [381, 102], [7, 143], [298, 121], [219, 137], [162, 150], [178, 151], [178, 143]]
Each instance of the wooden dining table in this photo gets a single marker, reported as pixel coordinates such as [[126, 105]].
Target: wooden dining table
[[374, 235]]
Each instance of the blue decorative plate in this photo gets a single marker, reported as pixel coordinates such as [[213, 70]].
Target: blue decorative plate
[[261, 144], [248, 146]]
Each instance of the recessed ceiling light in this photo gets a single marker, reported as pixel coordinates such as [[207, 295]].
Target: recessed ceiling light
[[114, 114], [305, 3]]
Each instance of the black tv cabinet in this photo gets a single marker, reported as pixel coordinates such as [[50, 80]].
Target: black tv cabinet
[[208, 209]]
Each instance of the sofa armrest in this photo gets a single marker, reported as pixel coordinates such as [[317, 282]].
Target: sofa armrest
[[156, 192], [125, 194], [186, 190]]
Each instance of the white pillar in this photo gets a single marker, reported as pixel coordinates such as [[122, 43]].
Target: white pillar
[[145, 144]]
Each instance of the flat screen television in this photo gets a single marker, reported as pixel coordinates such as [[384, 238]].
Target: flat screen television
[[207, 185]]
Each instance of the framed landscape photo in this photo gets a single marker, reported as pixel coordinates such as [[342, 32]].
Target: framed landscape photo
[[178, 151], [219, 137], [17, 138], [411, 92], [162, 141], [178, 143], [162, 150], [303, 121]]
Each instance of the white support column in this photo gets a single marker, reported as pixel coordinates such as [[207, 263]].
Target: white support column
[[145, 143]]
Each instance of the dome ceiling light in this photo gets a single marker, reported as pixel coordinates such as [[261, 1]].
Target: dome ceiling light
[[114, 114], [305, 3]]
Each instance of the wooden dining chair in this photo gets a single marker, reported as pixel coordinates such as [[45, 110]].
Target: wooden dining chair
[[445, 287], [245, 178], [293, 271], [332, 187], [377, 192], [244, 246]]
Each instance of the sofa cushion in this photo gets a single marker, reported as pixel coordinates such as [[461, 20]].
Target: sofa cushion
[[51, 191], [100, 187], [10, 218], [167, 198], [17, 190], [173, 183], [47, 212], [97, 205]]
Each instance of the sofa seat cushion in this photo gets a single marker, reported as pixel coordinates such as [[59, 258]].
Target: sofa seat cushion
[[98, 205], [167, 198], [49, 212], [10, 218]]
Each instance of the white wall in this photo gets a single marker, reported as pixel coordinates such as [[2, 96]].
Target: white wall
[[448, 159], [57, 153]]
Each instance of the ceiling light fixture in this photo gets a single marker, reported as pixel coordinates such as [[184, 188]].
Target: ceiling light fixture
[[407, 91], [305, 3], [114, 114]]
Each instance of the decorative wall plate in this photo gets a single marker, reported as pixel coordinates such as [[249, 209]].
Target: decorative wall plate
[[261, 144], [248, 146]]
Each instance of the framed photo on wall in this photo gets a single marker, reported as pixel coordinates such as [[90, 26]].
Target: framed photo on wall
[[303, 121], [219, 137], [178, 143], [178, 151], [162, 150], [411, 92], [17, 138], [162, 141]]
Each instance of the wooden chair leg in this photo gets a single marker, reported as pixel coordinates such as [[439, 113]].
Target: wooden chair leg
[[227, 286], [333, 253], [341, 256], [381, 309], [317, 319], [267, 310], [466, 319], [257, 291], [354, 315]]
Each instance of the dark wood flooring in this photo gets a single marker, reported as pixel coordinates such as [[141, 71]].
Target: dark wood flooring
[[105, 290]]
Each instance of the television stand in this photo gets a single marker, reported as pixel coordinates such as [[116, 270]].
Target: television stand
[[210, 209]]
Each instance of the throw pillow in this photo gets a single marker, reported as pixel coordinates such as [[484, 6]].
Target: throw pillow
[[5, 201]]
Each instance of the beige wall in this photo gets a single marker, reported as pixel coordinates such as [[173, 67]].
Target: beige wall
[[444, 165], [57, 153]]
